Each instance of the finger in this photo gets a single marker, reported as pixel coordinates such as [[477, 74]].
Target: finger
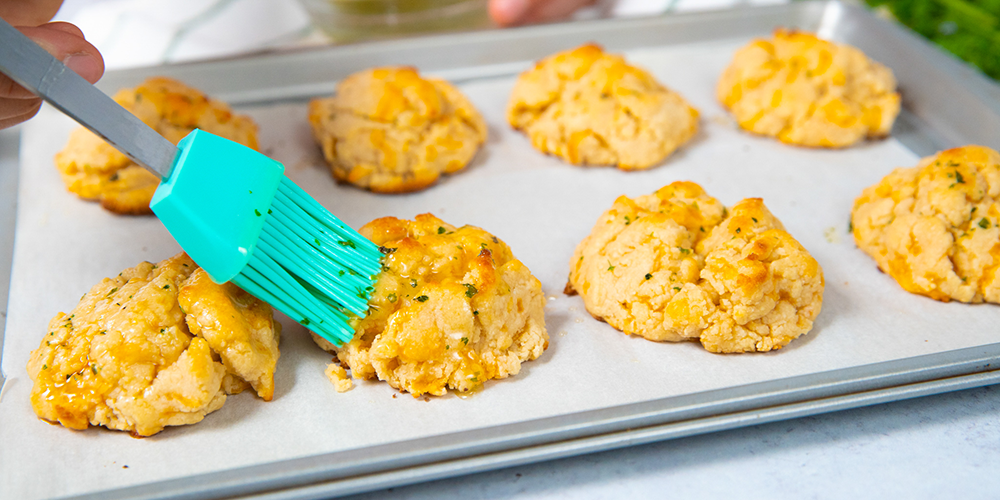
[[28, 12], [10, 121], [553, 10], [65, 28], [508, 12], [66, 43], [18, 107], [515, 12]]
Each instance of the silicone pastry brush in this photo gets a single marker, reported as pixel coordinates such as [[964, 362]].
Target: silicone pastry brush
[[229, 207]]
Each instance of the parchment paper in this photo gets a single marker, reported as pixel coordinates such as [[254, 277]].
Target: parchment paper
[[542, 208]]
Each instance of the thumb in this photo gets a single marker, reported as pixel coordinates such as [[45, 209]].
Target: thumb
[[66, 43]]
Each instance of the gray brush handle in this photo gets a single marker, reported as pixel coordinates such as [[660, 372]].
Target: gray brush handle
[[36, 70]]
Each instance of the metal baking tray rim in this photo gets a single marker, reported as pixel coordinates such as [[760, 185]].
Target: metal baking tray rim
[[393, 464]]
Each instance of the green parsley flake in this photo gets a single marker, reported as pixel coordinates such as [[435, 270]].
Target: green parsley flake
[[465, 340], [422, 298], [984, 223], [677, 288], [256, 212], [413, 283], [649, 276], [304, 322], [470, 290], [392, 297], [440, 229]]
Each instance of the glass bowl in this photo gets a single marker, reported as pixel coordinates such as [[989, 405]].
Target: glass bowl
[[353, 20]]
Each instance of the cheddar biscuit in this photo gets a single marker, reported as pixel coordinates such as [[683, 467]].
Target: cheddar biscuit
[[95, 170], [158, 345], [933, 227], [391, 131], [592, 108], [808, 91], [678, 265], [451, 309]]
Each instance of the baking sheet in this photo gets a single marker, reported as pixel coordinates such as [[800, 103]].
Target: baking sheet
[[541, 207]]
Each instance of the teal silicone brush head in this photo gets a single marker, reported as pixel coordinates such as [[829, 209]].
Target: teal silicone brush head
[[236, 214]]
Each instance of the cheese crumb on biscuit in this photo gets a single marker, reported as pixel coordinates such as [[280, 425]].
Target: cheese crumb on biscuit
[[338, 377]]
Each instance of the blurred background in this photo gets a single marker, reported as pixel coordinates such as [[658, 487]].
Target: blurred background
[[148, 32]]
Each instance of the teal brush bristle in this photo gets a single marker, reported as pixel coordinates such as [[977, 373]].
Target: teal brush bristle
[[310, 265]]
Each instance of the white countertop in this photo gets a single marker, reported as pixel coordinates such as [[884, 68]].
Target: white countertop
[[943, 446]]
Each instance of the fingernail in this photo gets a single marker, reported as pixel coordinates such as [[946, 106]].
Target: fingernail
[[510, 11], [84, 65]]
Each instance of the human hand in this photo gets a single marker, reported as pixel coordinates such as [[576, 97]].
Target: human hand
[[66, 43], [515, 12]]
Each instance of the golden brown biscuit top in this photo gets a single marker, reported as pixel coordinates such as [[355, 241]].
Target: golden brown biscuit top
[[140, 350], [391, 130], [429, 253], [607, 73], [808, 91], [451, 309], [590, 107], [237, 326], [174, 110], [392, 94], [933, 227]]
